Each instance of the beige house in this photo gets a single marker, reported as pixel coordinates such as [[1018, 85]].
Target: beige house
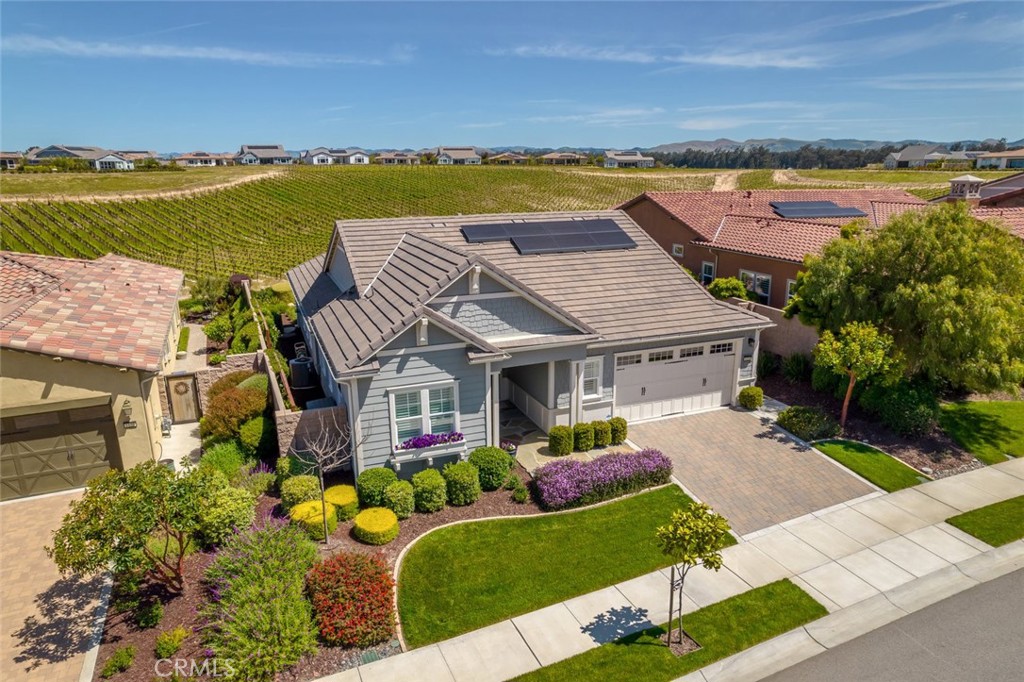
[[82, 346]]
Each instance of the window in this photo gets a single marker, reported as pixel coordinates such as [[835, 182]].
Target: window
[[660, 356], [627, 360], [759, 283], [707, 272], [408, 415], [678, 250], [717, 348], [691, 352], [592, 378], [790, 289], [420, 411]]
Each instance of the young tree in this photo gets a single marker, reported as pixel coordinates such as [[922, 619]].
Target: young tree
[[325, 450], [694, 537], [860, 351], [122, 511]]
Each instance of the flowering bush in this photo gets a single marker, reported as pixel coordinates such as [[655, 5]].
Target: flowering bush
[[570, 483], [353, 599], [431, 439]]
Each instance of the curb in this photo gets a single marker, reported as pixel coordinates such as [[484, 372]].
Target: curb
[[89, 665]]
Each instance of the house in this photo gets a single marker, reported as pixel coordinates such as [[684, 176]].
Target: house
[[758, 236], [82, 344], [627, 159], [563, 159], [200, 159], [10, 160], [1005, 192], [322, 156], [922, 155], [262, 155], [397, 159], [509, 159], [135, 155], [97, 157], [1001, 160], [1011, 218], [426, 325], [457, 156]]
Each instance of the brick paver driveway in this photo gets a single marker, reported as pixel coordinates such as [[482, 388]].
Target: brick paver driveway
[[747, 470], [46, 620]]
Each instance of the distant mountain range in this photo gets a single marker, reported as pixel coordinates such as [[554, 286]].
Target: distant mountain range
[[783, 144]]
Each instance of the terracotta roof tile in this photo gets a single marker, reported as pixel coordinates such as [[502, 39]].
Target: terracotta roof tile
[[771, 237], [1012, 218]]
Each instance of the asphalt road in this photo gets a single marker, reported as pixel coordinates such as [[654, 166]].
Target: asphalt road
[[977, 635]]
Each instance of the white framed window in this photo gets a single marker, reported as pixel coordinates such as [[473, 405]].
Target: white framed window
[[758, 283], [660, 356], [678, 250], [592, 370], [419, 410], [627, 360], [790, 289], [707, 272], [691, 352], [717, 348]]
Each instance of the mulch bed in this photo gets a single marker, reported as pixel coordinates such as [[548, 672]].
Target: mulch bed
[[120, 630], [935, 453], [687, 646]]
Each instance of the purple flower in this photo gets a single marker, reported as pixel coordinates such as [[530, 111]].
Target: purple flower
[[260, 468], [571, 483], [431, 439]]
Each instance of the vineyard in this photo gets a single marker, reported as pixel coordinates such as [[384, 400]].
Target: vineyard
[[262, 228]]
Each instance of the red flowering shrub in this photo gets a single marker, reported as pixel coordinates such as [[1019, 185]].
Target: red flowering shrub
[[353, 599], [226, 412]]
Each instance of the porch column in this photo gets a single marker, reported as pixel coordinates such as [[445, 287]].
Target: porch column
[[494, 407], [551, 385], [575, 393]]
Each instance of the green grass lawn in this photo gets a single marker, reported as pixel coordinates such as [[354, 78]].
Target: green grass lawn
[[721, 629], [888, 473], [989, 430], [997, 524], [464, 577]]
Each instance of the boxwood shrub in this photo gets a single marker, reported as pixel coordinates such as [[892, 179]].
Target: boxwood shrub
[[560, 441], [429, 490], [344, 498], [256, 437], [583, 437], [808, 423], [567, 483], [353, 599], [399, 498], [620, 430], [602, 434], [375, 526], [371, 485], [909, 409], [751, 397], [310, 517], [463, 481], [494, 465], [299, 489], [226, 510]]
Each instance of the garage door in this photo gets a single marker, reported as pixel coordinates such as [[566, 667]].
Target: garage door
[[51, 451], [659, 382]]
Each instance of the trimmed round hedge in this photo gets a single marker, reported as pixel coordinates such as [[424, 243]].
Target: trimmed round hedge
[[344, 498], [399, 498], [310, 516], [494, 465], [299, 489], [751, 397], [602, 434], [430, 492], [560, 441], [583, 437], [371, 485], [463, 481], [619, 430], [376, 526]]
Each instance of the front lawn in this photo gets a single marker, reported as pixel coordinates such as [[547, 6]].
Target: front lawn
[[470, 575], [988, 430], [888, 473], [997, 524], [722, 629]]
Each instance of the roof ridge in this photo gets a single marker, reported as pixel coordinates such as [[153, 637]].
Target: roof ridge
[[795, 221]]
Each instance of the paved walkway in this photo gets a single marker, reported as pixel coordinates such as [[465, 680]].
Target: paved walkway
[[196, 358], [749, 471], [47, 621], [183, 446], [888, 556]]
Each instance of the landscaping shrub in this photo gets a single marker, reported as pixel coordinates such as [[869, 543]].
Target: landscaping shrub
[[219, 329], [399, 498], [493, 464], [620, 430], [226, 413], [310, 516], [246, 339], [229, 380], [583, 437], [353, 599], [767, 364], [259, 480], [797, 367], [371, 485], [257, 382], [808, 423], [344, 499], [908, 408], [263, 566], [226, 457], [287, 467], [570, 483], [169, 642], [120, 661], [257, 437], [560, 441], [215, 359], [824, 380], [375, 526], [463, 482], [602, 434], [299, 489], [727, 287], [226, 510], [751, 397], [520, 495], [149, 614], [429, 491]]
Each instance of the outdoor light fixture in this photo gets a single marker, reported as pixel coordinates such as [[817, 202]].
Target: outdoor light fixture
[[126, 413]]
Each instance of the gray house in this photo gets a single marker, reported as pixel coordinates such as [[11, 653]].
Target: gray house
[[426, 325]]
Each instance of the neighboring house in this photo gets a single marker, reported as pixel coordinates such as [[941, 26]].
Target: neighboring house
[[10, 160], [457, 156], [98, 158], [1001, 160], [397, 159], [204, 160], [82, 344], [322, 156], [262, 155], [757, 235], [921, 155], [1005, 192], [627, 159], [509, 159], [425, 325], [1011, 218], [135, 155], [563, 159]]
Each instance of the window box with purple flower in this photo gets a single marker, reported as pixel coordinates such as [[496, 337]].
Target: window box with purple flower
[[430, 445]]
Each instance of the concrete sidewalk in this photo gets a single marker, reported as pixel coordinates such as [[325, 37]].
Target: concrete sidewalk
[[864, 561]]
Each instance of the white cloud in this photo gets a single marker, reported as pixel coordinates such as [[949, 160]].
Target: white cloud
[[494, 124], [576, 52], [752, 59], [745, 106], [614, 117], [996, 80], [713, 123]]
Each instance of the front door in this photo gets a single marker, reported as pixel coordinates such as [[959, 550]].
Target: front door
[[184, 398]]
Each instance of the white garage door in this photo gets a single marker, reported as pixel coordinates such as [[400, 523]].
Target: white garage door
[[659, 382]]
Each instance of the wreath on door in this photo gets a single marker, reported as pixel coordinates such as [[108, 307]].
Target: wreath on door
[[181, 388]]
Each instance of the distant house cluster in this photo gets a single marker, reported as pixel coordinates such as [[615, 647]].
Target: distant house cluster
[[925, 155], [96, 157]]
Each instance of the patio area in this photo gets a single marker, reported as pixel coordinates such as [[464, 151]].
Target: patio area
[[532, 443]]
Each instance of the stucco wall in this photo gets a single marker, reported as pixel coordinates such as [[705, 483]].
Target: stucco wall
[[787, 336]]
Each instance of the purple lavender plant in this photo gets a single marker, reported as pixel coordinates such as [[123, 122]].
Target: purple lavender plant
[[567, 483]]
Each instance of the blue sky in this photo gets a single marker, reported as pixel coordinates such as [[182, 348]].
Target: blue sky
[[177, 76]]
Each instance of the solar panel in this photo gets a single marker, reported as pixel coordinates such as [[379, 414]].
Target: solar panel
[[556, 236], [815, 209], [488, 232]]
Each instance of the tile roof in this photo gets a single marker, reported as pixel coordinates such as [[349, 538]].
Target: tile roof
[[1012, 218], [994, 190], [459, 152], [1009, 154], [399, 264], [112, 310], [264, 151], [776, 238]]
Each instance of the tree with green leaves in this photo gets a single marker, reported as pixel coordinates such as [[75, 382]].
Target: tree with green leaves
[[694, 537], [145, 517], [860, 352], [946, 287]]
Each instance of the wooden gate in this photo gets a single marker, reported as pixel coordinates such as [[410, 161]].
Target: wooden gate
[[184, 398]]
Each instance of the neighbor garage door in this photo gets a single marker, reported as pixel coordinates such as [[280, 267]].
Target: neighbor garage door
[[47, 452], [672, 380]]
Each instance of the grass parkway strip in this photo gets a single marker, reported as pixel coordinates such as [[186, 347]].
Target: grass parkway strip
[[997, 524], [888, 473]]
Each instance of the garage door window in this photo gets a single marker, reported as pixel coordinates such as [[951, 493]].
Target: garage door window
[[721, 348], [592, 378], [660, 356], [691, 352], [627, 360]]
